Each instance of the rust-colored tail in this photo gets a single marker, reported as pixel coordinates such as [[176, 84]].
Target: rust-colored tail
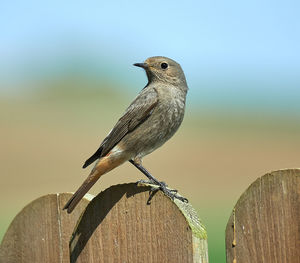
[[104, 165], [82, 190]]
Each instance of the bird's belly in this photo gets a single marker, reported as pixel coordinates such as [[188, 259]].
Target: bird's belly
[[156, 130]]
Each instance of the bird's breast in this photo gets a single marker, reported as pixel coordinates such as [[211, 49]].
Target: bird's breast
[[160, 126]]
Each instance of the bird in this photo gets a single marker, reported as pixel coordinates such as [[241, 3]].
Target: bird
[[150, 120]]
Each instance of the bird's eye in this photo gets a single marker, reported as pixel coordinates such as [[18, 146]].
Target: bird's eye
[[163, 65]]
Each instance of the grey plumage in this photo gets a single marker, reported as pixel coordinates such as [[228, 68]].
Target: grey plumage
[[150, 120], [155, 114]]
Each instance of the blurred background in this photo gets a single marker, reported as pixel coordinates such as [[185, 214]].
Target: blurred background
[[66, 76]]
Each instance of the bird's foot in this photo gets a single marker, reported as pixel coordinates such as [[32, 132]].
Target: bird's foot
[[148, 183], [156, 186], [172, 193]]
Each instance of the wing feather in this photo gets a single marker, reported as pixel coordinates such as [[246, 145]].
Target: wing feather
[[138, 111]]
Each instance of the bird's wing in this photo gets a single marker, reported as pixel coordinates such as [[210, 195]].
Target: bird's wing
[[138, 111]]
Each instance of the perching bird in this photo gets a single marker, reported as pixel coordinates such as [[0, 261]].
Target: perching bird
[[150, 120]]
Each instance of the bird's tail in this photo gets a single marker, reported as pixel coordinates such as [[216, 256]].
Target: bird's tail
[[82, 190], [104, 165]]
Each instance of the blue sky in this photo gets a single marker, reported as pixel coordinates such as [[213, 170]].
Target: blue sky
[[229, 49]]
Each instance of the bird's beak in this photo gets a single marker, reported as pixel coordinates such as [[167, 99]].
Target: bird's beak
[[141, 65]]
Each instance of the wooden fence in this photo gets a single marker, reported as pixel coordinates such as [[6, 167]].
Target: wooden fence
[[119, 226], [265, 223]]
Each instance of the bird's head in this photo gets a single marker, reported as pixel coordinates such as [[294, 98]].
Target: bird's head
[[163, 69]]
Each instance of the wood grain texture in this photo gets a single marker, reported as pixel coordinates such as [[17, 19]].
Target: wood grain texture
[[265, 224], [41, 231], [119, 226]]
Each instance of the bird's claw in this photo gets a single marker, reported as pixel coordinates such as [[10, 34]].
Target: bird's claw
[[172, 193], [155, 186], [146, 182]]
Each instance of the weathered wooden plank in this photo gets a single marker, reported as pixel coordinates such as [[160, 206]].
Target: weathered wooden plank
[[265, 224], [119, 226], [41, 231]]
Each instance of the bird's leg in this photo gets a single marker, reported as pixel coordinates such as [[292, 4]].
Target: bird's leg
[[152, 180], [161, 185]]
